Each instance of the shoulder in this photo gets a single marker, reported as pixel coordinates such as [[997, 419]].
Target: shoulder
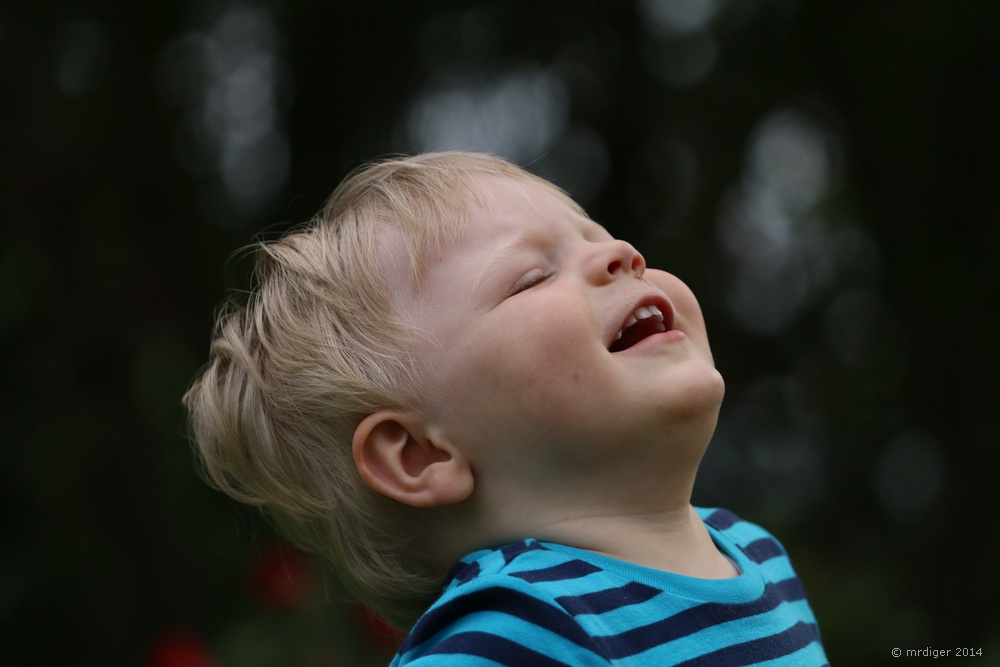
[[758, 543], [756, 550], [528, 561], [496, 608], [782, 608]]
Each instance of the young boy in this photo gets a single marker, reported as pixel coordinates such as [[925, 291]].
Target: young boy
[[488, 414]]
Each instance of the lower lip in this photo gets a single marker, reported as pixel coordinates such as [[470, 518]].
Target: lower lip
[[662, 337]]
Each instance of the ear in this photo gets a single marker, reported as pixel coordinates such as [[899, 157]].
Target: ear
[[396, 455]]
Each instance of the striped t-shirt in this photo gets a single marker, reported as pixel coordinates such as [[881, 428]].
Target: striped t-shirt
[[536, 603]]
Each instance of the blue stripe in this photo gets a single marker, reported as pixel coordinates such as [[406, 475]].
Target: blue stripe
[[771, 647], [763, 550], [698, 618], [512, 551], [722, 519], [464, 572], [573, 569], [491, 647], [498, 600], [791, 590], [600, 602]]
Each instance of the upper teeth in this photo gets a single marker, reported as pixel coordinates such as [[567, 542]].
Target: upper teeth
[[643, 313]]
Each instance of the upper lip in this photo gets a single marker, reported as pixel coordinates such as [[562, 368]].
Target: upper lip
[[646, 300]]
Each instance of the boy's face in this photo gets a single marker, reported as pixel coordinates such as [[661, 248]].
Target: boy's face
[[531, 381]]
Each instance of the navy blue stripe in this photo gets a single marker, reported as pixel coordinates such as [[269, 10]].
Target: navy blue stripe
[[695, 619], [790, 589], [492, 647], [722, 519], [512, 551], [763, 550], [500, 600], [600, 602], [464, 572], [573, 569], [771, 647]]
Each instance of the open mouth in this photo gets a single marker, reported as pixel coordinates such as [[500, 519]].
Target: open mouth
[[641, 323]]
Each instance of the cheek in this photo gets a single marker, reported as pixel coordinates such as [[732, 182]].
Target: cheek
[[537, 362], [557, 337]]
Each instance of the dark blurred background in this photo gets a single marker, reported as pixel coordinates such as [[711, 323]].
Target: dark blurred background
[[825, 175]]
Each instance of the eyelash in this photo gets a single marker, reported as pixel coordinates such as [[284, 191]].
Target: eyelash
[[531, 282]]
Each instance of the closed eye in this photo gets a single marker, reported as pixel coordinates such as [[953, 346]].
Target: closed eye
[[530, 279]]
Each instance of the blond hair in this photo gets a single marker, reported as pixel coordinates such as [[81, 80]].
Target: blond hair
[[315, 349]]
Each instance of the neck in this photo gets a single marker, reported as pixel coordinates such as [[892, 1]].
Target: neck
[[673, 540], [634, 506], [667, 535], [641, 514]]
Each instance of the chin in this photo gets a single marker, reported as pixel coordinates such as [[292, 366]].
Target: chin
[[701, 389]]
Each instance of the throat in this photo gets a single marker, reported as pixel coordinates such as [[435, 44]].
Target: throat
[[678, 544]]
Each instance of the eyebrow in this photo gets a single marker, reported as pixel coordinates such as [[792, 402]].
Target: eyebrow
[[522, 242]]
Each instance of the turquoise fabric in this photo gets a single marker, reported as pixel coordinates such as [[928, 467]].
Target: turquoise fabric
[[537, 603]]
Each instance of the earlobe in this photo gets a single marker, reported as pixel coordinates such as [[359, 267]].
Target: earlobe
[[398, 457]]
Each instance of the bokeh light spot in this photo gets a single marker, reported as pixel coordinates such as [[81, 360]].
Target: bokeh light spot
[[517, 113], [910, 475]]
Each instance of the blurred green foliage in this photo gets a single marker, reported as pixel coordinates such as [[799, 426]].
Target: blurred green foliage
[[861, 424]]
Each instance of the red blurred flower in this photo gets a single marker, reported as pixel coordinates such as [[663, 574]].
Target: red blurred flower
[[179, 647], [282, 577]]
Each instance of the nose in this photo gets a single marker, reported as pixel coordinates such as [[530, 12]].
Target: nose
[[615, 259]]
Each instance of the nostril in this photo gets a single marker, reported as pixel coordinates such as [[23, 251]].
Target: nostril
[[614, 259]]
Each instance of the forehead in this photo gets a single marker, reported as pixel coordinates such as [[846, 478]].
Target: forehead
[[527, 194], [491, 207], [523, 209]]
